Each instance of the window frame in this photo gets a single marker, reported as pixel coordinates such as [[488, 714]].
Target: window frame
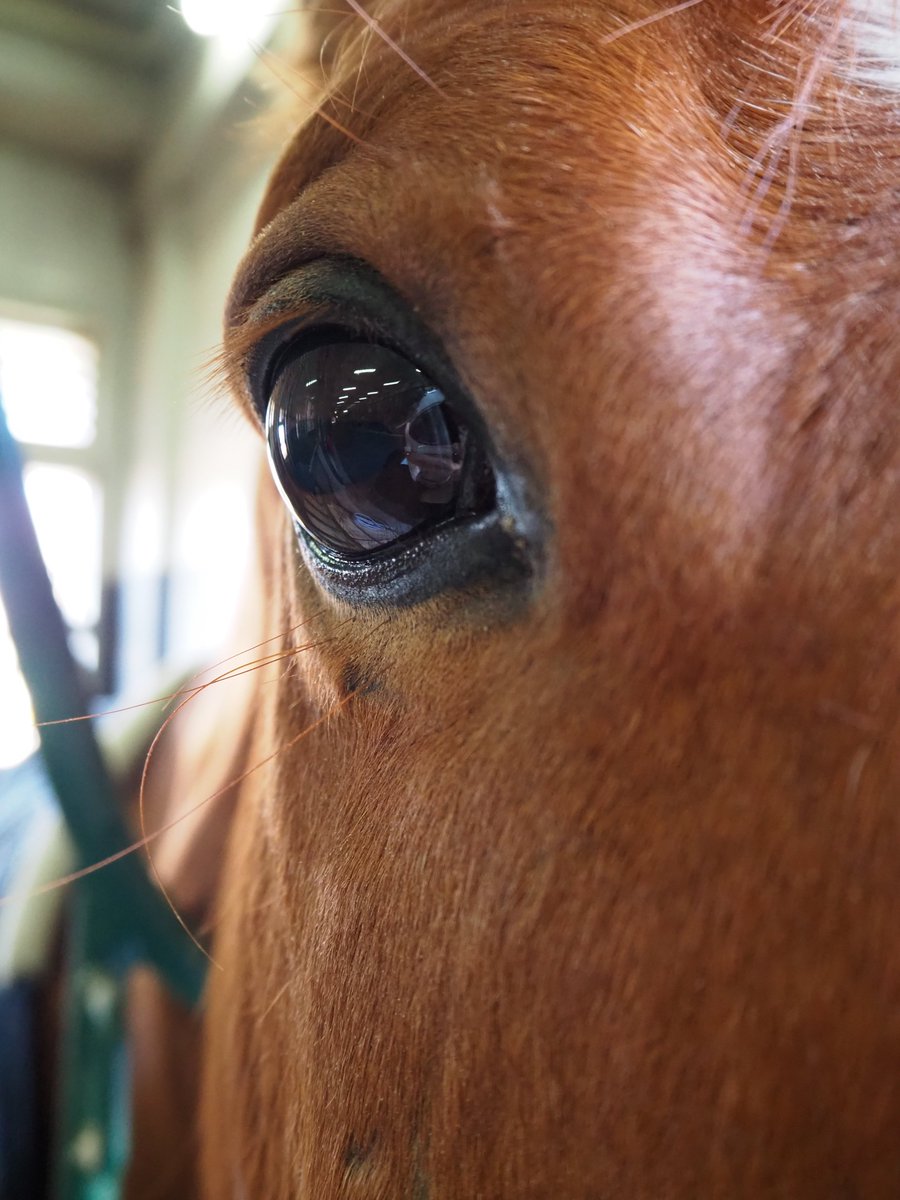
[[94, 460]]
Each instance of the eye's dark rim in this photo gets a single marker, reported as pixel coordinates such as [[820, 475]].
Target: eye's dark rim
[[347, 299], [350, 301], [477, 469]]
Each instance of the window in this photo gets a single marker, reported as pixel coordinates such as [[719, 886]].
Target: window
[[48, 379], [48, 387]]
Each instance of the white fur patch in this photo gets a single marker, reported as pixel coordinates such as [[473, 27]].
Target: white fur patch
[[873, 51]]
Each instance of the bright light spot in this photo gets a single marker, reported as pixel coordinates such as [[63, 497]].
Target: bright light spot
[[211, 550], [145, 522], [18, 736], [365, 371], [48, 380], [392, 383], [311, 382], [226, 18], [67, 513]]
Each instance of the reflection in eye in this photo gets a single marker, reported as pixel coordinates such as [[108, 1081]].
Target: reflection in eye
[[364, 447]]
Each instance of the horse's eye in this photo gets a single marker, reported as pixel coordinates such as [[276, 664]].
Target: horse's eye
[[365, 448]]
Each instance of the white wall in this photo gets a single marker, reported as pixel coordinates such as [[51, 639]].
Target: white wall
[[195, 462], [179, 468], [63, 236], [143, 263], [66, 254]]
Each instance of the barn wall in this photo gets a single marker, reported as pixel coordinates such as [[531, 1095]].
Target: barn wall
[[67, 253], [195, 463], [139, 253]]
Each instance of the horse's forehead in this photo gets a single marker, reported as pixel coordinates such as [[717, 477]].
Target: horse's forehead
[[558, 95], [545, 173], [559, 146], [568, 209]]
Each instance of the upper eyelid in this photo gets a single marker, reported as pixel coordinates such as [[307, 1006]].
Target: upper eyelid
[[269, 340], [243, 345], [297, 300], [278, 251], [324, 281], [348, 294], [344, 293], [267, 350]]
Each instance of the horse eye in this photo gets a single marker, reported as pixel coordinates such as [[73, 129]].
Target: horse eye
[[365, 448]]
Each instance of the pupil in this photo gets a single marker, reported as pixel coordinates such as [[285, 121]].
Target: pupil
[[363, 445]]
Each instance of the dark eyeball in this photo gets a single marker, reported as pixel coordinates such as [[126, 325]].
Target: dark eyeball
[[365, 448]]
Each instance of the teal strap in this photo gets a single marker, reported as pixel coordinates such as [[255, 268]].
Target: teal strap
[[137, 922], [119, 917], [93, 1134]]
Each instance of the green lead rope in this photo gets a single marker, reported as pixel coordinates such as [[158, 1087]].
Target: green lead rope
[[119, 918]]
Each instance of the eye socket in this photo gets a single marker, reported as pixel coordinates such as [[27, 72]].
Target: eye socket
[[366, 449]]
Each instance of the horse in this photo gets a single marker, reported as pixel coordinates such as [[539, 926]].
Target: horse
[[563, 856]]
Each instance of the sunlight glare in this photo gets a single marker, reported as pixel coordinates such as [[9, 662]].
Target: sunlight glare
[[18, 736], [48, 381], [225, 18]]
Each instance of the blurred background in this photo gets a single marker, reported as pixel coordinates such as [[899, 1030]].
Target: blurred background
[[135, 140]]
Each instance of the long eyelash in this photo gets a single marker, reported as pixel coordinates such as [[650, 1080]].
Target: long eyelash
[[332, 93], [381, 32], [191, 688], [142, 842], [233, 674], [188, 695], [318, 110], [222, 370]]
